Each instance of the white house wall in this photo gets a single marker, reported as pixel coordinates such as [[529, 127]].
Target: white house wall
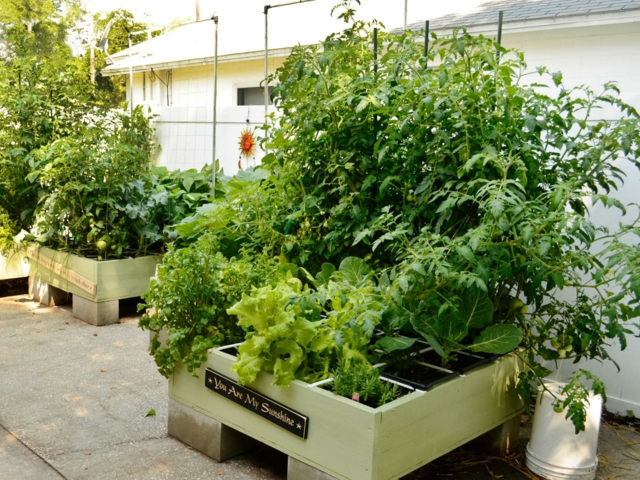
[[184, 129]]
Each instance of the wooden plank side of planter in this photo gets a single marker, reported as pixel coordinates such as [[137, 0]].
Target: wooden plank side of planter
[[419, 428], [75, 271], [13, 265], [341, 432], [125, 278], [105, 281]]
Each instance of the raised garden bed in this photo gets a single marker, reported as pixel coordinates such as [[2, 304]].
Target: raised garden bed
[[340, 437], [13, 265], [96, 286]]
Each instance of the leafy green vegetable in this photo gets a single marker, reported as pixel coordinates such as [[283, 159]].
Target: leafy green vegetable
[[280, 339], [499, 339]]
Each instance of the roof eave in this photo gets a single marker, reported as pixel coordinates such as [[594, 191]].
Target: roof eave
[[552, 23], [123, 68], [540, 24]]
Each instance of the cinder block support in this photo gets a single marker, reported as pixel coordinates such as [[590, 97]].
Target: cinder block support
[[46, 294], [297, 470], [96, 313], [205, 434], [501, 441]]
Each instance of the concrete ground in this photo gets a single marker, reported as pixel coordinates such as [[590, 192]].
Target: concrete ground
[[74, 399]]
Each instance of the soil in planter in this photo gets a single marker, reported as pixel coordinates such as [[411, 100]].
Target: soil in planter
[[16, 286]]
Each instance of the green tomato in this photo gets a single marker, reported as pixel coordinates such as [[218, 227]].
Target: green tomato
[[558, 408], [101, 245], [555, 343]]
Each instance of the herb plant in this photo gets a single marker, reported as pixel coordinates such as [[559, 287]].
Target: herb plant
[[361, 382], [189, 298]]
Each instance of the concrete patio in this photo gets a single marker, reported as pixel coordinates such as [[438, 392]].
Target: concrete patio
[[74, 400]]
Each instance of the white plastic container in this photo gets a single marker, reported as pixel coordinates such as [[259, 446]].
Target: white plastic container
[[555, 451]]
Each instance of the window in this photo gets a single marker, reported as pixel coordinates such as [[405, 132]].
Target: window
[[253, 96]]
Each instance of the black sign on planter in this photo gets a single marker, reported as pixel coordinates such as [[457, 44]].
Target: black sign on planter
[[264, 406]]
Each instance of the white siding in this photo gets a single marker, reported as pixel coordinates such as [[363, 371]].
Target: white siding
[[185, 128]]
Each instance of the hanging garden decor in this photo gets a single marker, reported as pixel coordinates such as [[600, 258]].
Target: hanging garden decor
[[247, 144]]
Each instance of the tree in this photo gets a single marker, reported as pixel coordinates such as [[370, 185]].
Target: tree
[[112, 90], [37, 28]]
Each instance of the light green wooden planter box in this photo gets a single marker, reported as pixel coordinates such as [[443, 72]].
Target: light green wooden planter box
[[13, 265], [354, 442], [96, 281]]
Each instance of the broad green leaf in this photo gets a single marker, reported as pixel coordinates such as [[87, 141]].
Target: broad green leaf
[[354, 270], [442, 78], [391, 344], [466, 253], [424, 328], [361, 234], [327, 271], [499, 339], [475, 309], [450, 327], [187, 183], [403, 281]]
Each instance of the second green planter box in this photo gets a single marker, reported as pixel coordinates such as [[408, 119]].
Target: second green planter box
[[96, 286]]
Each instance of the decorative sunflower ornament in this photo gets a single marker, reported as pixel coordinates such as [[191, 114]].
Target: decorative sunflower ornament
[[247, 145]]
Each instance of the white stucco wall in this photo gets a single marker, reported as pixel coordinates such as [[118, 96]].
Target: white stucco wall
[[184, 129]]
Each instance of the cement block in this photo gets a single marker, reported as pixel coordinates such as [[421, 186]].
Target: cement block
[[46, 294], [297, 470], [205, 434], [501, 441], [96, 313]]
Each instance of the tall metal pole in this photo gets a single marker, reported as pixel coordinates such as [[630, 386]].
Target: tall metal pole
[[130, 77], [92, 44], [215, 107], [148, 17], [375, 50], [266, 66], [426, 44], [500, 18], [406, 8]]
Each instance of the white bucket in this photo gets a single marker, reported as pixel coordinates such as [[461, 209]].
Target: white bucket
[[555, 451]]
